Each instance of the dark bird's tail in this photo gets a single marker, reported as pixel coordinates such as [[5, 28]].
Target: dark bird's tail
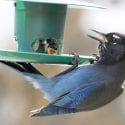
[[52, 110]]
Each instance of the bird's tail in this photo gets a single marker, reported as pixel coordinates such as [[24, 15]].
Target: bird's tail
[[52, 110], [40, 82]]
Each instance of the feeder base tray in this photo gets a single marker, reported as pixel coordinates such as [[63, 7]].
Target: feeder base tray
[[15, 56]]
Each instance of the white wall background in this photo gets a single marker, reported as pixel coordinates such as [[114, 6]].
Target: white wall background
[[7, 25]]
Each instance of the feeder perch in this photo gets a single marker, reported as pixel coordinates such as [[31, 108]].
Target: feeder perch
[[39, 29]]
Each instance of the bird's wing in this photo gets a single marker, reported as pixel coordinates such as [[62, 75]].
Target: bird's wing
[[70, 102]]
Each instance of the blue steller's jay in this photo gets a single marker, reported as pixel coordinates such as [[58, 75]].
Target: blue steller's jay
[[81, 88]]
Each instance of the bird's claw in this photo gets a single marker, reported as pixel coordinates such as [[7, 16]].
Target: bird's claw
[[75, 59], [96, 56]]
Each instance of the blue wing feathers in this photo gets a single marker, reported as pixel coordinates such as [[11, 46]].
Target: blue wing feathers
[[74, 98], [68, 103], [81, 94]]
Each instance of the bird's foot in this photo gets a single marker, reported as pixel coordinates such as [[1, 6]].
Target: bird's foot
[[74, 63], [96, 56], [75, 60]]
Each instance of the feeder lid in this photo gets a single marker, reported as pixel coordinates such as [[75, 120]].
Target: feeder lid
[[71, 3]]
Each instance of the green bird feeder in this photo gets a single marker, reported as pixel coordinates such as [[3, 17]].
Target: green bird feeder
[[39, 30]]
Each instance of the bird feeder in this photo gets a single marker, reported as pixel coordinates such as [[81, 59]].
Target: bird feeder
[[39, 30]]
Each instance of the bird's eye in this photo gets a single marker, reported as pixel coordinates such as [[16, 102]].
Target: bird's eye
[[115, 39]]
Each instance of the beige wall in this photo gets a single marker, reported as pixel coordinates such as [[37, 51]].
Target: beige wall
[[17, 97]]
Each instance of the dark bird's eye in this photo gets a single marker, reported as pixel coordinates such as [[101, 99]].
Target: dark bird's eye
[[115, 39]]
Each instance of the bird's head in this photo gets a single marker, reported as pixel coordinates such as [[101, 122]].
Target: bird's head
[[111, 47]]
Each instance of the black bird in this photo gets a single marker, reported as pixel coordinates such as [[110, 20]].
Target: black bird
[[82, 88]]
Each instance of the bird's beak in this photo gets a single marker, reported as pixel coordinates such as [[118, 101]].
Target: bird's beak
[[101, 38]]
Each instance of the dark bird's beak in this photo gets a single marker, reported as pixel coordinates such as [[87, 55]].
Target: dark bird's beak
[[101, 38]]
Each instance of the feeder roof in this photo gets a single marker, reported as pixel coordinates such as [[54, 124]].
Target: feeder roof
[[71, 3]]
